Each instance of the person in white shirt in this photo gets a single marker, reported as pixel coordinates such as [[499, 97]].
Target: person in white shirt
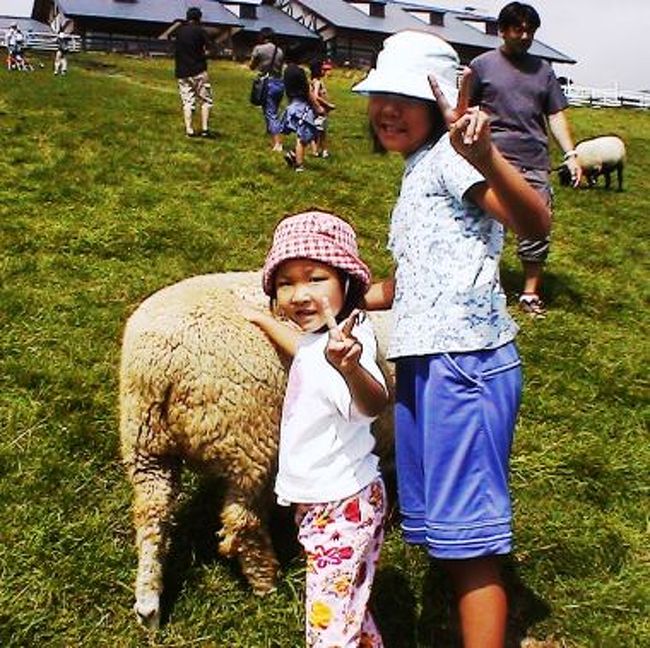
[[14, 42], [61, 57], [315, 279]]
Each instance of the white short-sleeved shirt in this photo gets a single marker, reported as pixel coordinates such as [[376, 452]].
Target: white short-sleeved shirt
[[325, 443], [447, 292]]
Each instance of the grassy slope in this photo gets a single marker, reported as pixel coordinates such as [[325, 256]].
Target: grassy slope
[[103, 201]]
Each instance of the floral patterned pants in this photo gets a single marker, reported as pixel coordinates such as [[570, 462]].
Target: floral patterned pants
[[342, 541]]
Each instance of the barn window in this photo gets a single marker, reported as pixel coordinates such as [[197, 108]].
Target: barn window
[[248, 11]]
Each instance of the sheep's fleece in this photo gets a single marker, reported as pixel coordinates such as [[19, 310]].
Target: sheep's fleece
[[201, 386]]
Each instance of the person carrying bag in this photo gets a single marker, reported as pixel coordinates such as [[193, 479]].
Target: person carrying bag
[[267, 89], [259, 88]]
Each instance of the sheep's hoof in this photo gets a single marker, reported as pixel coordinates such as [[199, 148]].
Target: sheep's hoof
[[147, 610], [264, 590], [229, 546]]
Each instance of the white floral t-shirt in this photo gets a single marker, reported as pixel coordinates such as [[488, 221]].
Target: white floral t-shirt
[[447, 292]]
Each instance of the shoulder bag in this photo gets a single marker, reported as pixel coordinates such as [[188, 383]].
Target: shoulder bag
[[260, 84]]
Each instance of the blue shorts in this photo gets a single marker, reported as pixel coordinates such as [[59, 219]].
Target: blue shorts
[[455, 416]]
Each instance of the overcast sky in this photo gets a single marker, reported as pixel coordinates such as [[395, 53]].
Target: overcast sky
[[610, 39]]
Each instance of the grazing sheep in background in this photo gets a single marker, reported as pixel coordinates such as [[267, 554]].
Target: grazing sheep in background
[[202, 386], [598, 156]]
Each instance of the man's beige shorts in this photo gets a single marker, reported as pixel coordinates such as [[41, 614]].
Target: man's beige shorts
[[194, 87]]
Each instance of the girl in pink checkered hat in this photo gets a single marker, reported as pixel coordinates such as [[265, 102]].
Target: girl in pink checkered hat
[[327, 468]]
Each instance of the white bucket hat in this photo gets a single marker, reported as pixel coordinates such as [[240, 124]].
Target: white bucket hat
[[404, 63]]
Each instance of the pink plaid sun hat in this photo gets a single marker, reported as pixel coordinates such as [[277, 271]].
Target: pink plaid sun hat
[[318, 236]]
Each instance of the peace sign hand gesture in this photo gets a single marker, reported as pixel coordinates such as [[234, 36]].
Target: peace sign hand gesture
[[469, 127], [343, 350]]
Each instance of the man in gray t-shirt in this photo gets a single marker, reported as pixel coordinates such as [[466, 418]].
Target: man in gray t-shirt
[[522, 95]]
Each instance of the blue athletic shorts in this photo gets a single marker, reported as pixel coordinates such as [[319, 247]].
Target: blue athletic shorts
[[455, 415]]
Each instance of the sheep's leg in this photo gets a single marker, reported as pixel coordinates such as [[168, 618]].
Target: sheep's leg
[[619, 176], [245, 535], [155, 483], [608, 178]]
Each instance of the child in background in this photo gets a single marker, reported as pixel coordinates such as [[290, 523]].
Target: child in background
[[61, 56], [315, 279], [458, 373], [299, 116], [318, 70]]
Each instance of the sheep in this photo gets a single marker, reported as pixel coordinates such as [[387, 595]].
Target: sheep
[[203, 387], [597, 156]]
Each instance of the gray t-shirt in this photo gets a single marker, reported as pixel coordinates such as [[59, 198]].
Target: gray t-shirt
[[261, 58], [518, 94]]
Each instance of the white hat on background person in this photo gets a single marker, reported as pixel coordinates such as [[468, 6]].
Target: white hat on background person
[[404, 63]]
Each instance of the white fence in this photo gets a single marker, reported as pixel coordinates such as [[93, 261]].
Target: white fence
[[45, 41], [606, 98]]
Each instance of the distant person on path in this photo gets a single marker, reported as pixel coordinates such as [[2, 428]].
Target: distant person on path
[[457, 368], [300, 115], [520, 93], [327, 468], [61, 56], [191, 51], [318, 70], [15, 43], [268, 58]]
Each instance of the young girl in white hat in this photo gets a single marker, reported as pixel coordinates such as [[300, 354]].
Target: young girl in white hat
[[316, 279], [458, 373]]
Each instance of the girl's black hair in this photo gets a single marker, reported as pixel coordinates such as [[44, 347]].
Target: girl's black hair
[[316, 68], [438, 128], [353, 295]]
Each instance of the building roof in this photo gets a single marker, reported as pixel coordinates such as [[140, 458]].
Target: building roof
[[147, 11], [457, 27], [458, 30], [25, 24], [276, 19], [342, 14]]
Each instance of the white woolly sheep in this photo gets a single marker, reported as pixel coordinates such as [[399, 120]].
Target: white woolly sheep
[[201, 386], [598, 156]]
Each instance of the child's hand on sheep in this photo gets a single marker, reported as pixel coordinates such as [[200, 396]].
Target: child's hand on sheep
[[284, 334], [253, 314]]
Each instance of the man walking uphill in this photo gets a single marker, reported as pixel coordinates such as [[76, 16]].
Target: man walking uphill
[[521, 92], [191, 60]]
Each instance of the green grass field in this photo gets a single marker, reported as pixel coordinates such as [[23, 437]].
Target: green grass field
[[104, 201]]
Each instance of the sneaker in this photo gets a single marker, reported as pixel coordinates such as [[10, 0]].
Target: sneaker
[[190, 134], [299, 168], [290, 159], [325, 154], [207, 134], [532, 305], [277, 148]]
